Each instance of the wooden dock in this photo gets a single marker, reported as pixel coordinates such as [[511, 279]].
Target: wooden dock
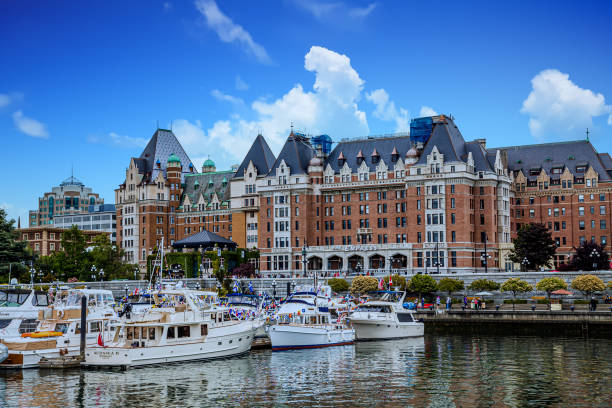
[[260, 343], [61, 362]]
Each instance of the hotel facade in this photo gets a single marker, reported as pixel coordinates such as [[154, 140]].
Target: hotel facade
[[424, 202]]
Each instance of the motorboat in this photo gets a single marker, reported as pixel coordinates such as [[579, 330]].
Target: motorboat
[[304, 321], [19, 310], [382, 316], [179, 328], [58, 332]]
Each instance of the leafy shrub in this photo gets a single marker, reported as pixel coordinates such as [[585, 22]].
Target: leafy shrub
[[588, 284], [399, 282], [363, 284], [484, 284], [338, 284]]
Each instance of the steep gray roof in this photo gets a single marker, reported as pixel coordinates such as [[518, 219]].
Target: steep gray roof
[[479, 154], [561, 154], [384, 147], [261, 156], [449, 141], [160, 147], [296, 153], [200, 184]]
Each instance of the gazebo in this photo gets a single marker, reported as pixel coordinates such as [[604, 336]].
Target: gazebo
[[205, 240]]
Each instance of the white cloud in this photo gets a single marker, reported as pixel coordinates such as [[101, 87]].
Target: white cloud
[[217, 94], [228, 31], [240, 84], [361, 12], [558, 106], [5, 100], [331, 107], [333, 9], [386, 110], [30, 126], [115, 139], [427, 111]]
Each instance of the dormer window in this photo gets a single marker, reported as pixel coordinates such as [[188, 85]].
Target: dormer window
[[580, 169], [394, 155], [557, 170], [341, 159], [534, 172], [360, 158], [375, 157]]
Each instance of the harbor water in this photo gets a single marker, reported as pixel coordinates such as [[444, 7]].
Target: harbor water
[[434, 371]]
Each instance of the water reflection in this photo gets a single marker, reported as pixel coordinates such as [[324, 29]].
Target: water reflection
[[434, 371]]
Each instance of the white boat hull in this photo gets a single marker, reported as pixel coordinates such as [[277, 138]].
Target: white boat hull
[[287, 337], [226, 343], [381, 330]]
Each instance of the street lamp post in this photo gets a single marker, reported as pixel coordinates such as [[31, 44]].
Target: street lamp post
[[525, 263], [274, 289], [32, 272], [135, 272], [126, 292], [485, 256], [93, 273], [595, 256], [304, 258]]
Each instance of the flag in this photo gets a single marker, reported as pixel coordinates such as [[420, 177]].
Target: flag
[[390, 282], [100, 341], [250, 287], [381, 284]]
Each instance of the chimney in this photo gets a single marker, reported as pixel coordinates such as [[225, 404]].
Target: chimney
[[482, 142]]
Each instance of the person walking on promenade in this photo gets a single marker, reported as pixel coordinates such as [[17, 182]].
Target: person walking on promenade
[[449, 303], [465, 302], [593, 304], [437, 302]]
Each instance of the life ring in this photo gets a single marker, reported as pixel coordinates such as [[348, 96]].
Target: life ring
[[41, 334]]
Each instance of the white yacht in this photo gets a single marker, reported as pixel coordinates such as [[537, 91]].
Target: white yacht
[[383, 317], [59, 329], [19, 310], [304, 321], [179, 328]]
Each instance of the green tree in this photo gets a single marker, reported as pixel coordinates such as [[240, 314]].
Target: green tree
[[422, 284], [587, 284], [483, 284], [399, 282], [338, 284], [515, 285], [590, 256], [106, 255], [534, 244], [75, 262], [12, 251], [363, 284], [551, 284], [610, 284], [450, 285]]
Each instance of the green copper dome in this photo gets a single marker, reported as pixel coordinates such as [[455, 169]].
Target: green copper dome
[[173, 159], [209, 163]]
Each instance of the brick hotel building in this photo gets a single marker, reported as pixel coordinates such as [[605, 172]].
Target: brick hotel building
[[424, 201]]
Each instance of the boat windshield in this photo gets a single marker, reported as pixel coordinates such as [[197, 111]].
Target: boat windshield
[[240, 299], [40, 299], [13, 298], [374, 308], [385, 296]]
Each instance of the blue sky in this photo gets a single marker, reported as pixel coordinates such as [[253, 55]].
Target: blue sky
[[84, 84]]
